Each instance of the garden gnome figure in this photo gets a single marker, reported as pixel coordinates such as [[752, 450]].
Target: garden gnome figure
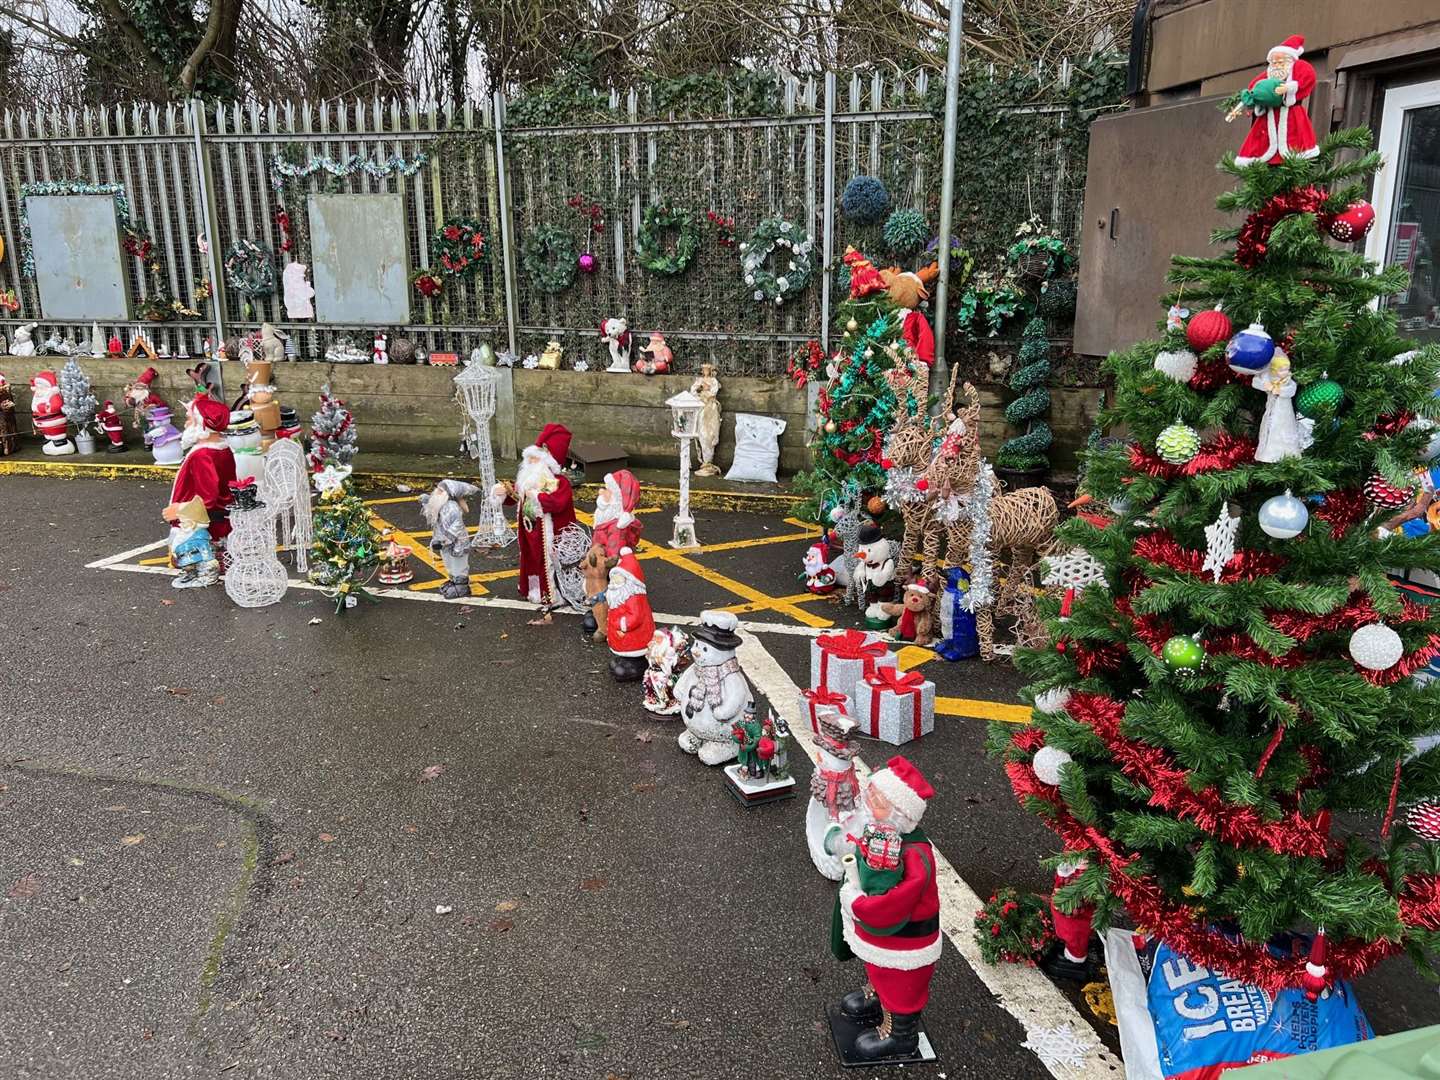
[[629, 624], [47, 412], [444, 510], [191, 549], [713, 692], [896, 933], [707, 388]]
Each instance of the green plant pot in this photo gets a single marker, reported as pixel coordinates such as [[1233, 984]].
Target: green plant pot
[[1014, 479]]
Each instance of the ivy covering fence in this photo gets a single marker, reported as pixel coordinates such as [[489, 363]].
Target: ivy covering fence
[[695, 206]]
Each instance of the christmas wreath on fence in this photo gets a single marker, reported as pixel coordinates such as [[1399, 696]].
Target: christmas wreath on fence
[[249, 268], [548, 256], [650, 242], [795, 245], [459, 247]]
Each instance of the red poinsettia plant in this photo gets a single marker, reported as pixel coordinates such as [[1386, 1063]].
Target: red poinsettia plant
[[805, 363], [590, 210], [724, 228], [427, 283]]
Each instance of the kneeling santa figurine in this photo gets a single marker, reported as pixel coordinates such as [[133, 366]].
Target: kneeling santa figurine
[[896, 932]]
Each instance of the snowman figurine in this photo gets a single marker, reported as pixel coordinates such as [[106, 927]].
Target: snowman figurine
[[713, 692], [835, 808]]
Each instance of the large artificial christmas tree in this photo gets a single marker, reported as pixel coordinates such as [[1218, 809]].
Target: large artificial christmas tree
[[1227, 735]]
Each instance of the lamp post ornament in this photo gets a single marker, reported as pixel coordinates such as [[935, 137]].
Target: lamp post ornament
[[685, 407]]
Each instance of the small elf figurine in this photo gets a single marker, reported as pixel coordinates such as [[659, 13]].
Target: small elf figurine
[[191, 549]]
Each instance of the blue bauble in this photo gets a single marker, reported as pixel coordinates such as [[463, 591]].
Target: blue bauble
[[1250, 350], [1283, 516]]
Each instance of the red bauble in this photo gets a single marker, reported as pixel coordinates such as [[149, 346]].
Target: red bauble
[[1353, 222], [1208, 328], [1384, 495], [1424, 821]]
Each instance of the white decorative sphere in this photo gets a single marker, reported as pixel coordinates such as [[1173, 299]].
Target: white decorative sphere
[[1283, 516], [1052, 701], [1177, 364], [1376, 647], [1048, 762]]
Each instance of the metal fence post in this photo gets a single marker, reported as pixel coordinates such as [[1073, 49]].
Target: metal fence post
[[204, 197], [812, 390], [947, 187]]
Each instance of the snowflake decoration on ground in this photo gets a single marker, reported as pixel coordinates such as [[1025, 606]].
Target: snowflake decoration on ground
[[1073, 569], [1060, 1047], [1220, 542]]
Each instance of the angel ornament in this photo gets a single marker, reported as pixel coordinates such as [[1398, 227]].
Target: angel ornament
[[1280, 436]]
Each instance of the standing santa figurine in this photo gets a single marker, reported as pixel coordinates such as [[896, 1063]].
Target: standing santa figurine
[[1274, 97], [47, 412], [207, 470], [896, 933], [629, 624], [545, 505], [615, 527]]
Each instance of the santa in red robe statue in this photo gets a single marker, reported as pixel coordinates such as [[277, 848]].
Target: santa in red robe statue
[[616, 525], [545, 506], [1281, 126], [47, 413], [207, 470], [629, 624], [896, 932]]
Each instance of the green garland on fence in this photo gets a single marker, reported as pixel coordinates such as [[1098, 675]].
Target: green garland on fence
[[650, 251], [766, 284], [548, 256]]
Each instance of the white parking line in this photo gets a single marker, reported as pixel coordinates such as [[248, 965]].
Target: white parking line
[[1024, 992]]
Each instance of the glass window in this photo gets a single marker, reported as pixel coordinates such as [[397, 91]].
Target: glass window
[[1412, 238]]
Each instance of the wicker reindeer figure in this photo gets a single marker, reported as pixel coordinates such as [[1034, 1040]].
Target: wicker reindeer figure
[[1022, 525]]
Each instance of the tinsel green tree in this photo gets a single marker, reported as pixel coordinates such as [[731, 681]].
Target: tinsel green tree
[[1028, 450], [857, 407], [1227, 735]]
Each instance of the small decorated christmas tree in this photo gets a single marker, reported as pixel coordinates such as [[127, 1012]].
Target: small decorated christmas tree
[[1027, 451], [79, 404], [332, 434], [1226, 734], [346, 547]]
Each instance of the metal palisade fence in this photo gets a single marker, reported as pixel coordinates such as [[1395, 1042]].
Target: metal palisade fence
[[195, 181]]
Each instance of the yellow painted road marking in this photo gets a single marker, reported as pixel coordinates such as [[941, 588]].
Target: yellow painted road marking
[[740, 589], [795, 598], [976, 709], [420, 551], [912, 656]]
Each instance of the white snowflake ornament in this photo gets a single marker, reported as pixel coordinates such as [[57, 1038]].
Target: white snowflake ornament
[[1074, 569], [1220, 542]]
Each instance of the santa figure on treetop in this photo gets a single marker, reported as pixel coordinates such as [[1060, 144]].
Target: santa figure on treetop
[[545, 505], [1281, 126]]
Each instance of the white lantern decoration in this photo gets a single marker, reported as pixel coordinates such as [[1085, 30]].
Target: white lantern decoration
[[1376, 647], [1052, 701], [1283, 516], [475, 388], [1048, 762], [685, 408], [1177, 364]]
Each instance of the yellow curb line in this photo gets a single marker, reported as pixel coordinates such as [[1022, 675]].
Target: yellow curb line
[[976, 709]]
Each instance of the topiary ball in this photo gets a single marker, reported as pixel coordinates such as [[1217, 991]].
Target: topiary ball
[[864, 200], [905, 231]]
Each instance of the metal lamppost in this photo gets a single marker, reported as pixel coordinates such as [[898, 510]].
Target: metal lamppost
[[685, 407], [475, 387]]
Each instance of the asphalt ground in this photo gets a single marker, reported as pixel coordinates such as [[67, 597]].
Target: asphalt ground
[[613, 913]]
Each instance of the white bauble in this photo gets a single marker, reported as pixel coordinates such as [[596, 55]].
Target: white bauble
[[1052, 701], [1048, 762], [1177, 364], [1283, 516], [1376, 647]]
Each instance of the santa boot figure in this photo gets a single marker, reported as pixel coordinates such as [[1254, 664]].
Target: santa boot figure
[[114, 428], [629, 624], [892, 925], [48, 415], [1069, 957]]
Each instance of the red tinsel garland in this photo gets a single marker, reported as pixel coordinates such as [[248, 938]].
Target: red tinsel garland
[[1213, 374], [1254, 238], [1239, 826], [1342, 509], [1407, 665], [1162, 549], [1388, 424], [1226, 452], [1184, 928], [1358, 611]]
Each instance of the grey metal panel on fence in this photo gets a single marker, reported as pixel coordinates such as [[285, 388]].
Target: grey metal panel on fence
[[359, 247], [78, 267]]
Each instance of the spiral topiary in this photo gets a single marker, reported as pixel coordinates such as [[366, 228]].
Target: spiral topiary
[[1028, 451], [864, 200]]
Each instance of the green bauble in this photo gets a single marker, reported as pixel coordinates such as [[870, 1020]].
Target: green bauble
[[1319, 398], [1178, 443], [1182, 653]]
